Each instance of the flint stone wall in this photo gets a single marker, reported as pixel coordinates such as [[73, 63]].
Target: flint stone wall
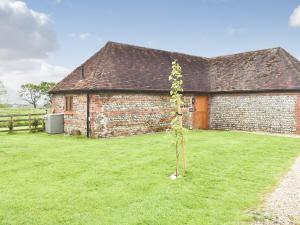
[[119, 114], [254, 112]]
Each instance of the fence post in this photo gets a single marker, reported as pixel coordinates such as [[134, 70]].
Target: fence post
[[11, 125], [29, 120], [43, 124], [24, 121]]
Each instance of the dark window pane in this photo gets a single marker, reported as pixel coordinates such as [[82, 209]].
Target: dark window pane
[[71, 103], [67, 104]]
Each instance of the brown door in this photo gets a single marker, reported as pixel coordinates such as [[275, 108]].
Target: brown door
[[200, 115]]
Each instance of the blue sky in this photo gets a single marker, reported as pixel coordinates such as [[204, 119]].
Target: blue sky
[[203, 27], [43, 40]]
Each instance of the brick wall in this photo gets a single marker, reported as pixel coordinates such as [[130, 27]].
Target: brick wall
[[73, 121], [121, 114], [254, 112]]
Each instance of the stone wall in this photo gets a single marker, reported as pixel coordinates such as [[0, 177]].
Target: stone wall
[[75, 121], [254, 112], [120, 114]]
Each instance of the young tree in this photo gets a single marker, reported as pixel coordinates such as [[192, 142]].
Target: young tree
[[176, 123], [31, 93], [45, 88]]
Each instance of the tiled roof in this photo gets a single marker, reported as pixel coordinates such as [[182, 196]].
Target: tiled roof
[[126, 67]]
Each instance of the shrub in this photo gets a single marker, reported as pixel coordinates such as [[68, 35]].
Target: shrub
[[75, 133], [3, 106], [10, 126], [43, 125], [35, 124]]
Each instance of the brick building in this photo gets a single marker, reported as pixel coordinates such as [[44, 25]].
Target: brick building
[[124, 90]]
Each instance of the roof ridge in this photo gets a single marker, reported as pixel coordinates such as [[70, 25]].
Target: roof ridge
[[82, 64], [247, 52], [91, 57], [190, 55], [101, 52], [291, 59], [154, 49]]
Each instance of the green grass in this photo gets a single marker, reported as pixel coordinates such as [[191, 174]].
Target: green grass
[[23, 110], [52, 180]]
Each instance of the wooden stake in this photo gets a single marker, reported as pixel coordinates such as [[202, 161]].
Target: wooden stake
[[177, 160], [179, 110], [183, 155]]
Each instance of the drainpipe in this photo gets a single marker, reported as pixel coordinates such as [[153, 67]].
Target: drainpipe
[[88, 114]]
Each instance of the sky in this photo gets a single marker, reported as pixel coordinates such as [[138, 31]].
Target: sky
[[43, 40]]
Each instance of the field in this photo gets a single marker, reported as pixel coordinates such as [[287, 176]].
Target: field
[[24, 110], [69, 180]]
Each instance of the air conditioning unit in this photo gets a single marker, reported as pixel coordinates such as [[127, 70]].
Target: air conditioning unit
[[54, 123]]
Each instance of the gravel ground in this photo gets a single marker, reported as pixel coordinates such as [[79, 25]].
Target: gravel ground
[[283, 205]]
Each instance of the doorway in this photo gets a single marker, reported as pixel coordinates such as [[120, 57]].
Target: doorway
[[200, 115]]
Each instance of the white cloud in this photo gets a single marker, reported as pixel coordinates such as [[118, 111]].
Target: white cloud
[[15, 73], [84, 36], [25, 33], [295, 18], [81, 36], [236, 30], [27, 36]]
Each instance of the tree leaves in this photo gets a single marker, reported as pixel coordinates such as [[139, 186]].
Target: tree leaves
[[32, 93], [176, 123]]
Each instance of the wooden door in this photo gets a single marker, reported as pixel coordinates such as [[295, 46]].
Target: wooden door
[[200, 115]]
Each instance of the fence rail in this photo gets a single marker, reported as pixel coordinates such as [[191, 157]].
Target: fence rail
[[22, 122], [17, 115]]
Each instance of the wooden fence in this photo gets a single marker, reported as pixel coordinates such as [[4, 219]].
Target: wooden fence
[[22, 122]]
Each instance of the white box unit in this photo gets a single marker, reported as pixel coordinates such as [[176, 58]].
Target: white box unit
[[54, 123]]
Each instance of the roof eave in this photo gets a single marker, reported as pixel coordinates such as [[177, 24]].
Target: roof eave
[[167, 91]]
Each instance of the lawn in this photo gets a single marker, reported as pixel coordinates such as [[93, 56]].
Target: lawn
[[67, 180], [22, 110]]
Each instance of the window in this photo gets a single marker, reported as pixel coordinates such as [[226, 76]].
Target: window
[[68, 103]]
